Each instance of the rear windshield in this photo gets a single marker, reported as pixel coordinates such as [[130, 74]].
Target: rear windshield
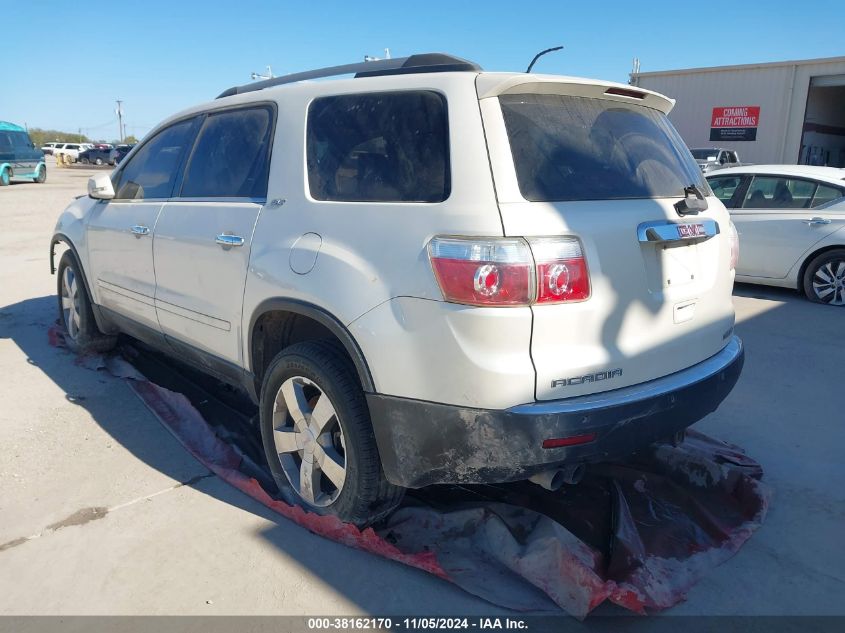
[[704, 154], [578, 148]]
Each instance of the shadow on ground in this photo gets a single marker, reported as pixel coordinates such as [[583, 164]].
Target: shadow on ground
[[26, 323]]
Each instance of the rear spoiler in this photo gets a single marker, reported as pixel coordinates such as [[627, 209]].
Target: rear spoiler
[[495, 84]]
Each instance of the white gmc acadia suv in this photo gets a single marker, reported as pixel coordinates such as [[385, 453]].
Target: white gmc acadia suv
[[422, 274]]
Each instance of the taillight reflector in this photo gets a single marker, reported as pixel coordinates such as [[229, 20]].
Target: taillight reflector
[[733, 238], [574, 440]]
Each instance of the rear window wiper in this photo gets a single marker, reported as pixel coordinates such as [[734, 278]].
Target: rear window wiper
[[693, 202]]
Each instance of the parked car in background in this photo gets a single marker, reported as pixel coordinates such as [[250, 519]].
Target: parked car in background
[[94, 156], [19, 158], [71, 151], [119, 153], [552, 299], [48, 148], [790, 235], [107, 146], [713, 158]]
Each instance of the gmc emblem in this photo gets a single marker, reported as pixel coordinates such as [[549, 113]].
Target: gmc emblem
[[691, 230]]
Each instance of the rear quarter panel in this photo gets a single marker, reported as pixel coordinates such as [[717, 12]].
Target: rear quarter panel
[[369, 252]]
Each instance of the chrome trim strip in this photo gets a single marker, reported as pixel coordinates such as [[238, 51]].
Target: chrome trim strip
[[228, 199], [636, 393], [663, 231]]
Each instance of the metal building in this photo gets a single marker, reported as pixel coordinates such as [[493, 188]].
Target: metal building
[[782, 112]]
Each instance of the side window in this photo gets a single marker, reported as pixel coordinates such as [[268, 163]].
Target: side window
[[379, 147], [771, 192], [152, 170], [825, 194], [21, 140], [5, 141], [724, 187], [231, 157]]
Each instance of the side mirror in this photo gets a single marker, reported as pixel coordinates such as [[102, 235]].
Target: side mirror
[[100, 187]]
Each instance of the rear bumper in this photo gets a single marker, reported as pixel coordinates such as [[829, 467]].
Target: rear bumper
[[423, 443]]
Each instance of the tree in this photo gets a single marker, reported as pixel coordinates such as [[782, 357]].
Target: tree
[[40, 136], [130, 140]]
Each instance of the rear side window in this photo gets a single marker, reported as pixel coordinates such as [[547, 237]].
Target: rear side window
[[825, 194], [231, 158], [152, 170], [771, 192], [579, 148], [379, 147]]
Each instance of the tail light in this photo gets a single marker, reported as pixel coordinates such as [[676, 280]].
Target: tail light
[[484, 272], [561, 270], [509, 271], [733, 238]]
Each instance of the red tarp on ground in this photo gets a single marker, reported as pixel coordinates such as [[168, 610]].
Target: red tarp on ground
[[638, 534]]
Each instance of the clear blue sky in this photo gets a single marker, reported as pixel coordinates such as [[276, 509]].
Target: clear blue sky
[[65, 63]]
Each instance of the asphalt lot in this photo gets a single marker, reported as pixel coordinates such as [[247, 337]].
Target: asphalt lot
[[119, 519]]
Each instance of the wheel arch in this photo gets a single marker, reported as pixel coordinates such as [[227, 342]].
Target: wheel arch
[[283, 309], [61, 238]]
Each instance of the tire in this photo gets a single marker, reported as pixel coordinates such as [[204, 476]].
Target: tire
[[75, 313], [824, 278], [5, 179], [41, 174], [98, 161], [354, 488], [84, 161]]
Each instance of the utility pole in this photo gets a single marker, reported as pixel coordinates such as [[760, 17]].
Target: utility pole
[[120, 119]]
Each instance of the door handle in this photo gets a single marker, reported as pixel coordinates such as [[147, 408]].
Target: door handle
[[227, 241], [139, 230], [816, 221]]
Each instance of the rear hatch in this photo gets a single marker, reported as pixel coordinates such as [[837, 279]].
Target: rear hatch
[[601, 162]]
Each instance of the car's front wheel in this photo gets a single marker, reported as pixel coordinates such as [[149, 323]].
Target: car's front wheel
[[41, 174], [5, 178], [824, 279], [318, 438], [81, 332], [98, 161]]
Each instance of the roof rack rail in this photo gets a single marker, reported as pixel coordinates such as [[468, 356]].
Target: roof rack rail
[[420, 63]]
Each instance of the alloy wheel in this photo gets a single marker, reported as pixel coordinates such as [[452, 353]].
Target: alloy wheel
[[70, 303], [309, 441], [829, 282]]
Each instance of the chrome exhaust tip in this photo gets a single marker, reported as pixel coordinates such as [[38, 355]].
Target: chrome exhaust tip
[[553, 479]]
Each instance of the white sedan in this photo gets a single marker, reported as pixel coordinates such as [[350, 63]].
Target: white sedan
[[791, 226]]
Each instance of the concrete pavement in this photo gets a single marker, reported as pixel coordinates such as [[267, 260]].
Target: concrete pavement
[[138, 526]]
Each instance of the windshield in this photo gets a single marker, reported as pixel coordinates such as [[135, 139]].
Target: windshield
[[579, 148], [704, 154]]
